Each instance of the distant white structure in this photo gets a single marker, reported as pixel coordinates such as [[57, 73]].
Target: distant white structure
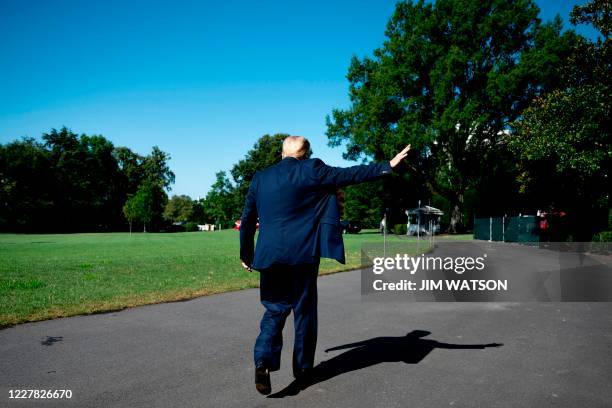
[[206, 227], [423, 220]]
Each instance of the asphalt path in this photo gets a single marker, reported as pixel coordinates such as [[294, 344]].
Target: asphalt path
[[198, 353]]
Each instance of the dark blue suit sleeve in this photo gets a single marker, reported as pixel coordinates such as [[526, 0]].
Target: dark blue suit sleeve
[[339, 176], [248, 224]]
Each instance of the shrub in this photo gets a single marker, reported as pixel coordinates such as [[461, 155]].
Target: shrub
[[191, 226], [603, 236], [399, 229]]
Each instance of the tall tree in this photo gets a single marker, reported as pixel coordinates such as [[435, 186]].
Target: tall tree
[[132, 210], [563, 140], [363, 203], [74, 182], [199, 215], [156, 169], [26, 202], [220, 204], [146, 205], [449, 79], [85, 196], [130, 165], [179, 209]]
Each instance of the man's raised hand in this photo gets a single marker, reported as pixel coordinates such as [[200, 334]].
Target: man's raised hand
[[399, 157]]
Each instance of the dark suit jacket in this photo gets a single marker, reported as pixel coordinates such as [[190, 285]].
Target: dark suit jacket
[[297, 208]]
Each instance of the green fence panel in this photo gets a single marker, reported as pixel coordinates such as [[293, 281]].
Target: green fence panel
[[528, 229], [509, 229], [512, 229], [481, 228], [497, 229]]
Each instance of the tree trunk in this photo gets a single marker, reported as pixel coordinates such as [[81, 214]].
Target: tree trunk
[[144, 227], [456, 216], [130, 228]]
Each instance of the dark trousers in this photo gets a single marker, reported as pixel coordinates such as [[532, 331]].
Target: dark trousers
[[282, 289]]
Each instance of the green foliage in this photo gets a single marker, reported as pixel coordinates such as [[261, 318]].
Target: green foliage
[[141, 205], [73, 182], [156, 170], [25, 174], [83, 168], [131, 169], [400, 229], [199, 215], [363, 203], [562, 142], [603, 236], [191, 226], [220, 204], [595, 12], [179, 209], [566, 132], [131, 210], [146, 205], [449, 78]]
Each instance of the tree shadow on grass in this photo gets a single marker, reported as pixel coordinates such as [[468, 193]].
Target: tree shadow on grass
[[409, 349]]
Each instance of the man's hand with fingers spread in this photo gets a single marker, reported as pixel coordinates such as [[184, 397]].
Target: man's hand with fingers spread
[[399, 157]]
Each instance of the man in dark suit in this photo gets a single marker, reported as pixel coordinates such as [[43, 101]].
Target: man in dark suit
[[299, 222]]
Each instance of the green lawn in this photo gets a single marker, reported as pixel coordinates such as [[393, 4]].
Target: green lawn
[[47, 276]]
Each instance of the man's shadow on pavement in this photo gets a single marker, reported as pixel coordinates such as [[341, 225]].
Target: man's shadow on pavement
[[410, 349]]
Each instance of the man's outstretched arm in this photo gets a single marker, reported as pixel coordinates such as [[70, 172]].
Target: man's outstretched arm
[[339, 176], [248, 225]]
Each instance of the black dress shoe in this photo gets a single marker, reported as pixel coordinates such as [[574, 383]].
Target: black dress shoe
[[262, 380]]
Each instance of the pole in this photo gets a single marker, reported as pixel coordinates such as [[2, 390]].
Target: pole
[[385, 235], [419, 221], [433, 234]]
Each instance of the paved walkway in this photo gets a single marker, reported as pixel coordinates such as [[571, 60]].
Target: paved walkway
[[197, 353]]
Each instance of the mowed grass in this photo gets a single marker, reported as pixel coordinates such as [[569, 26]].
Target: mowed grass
[[49, 276]]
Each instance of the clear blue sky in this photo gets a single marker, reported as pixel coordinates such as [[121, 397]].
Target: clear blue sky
[[202, 80]]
